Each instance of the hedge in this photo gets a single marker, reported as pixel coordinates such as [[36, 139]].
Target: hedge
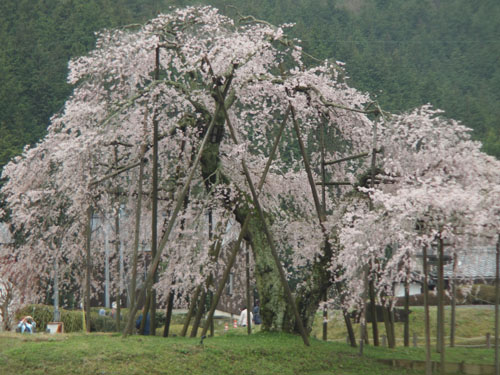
[[73, 319], [43, 314], [480, 294]]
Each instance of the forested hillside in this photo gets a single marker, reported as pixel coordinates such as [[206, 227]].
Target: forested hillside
[[405, 53]]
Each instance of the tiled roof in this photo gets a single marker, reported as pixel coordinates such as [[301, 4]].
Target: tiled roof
[[474, 263]]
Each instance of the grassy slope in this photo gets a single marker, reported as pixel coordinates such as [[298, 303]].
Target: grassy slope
[[472, 325], [228, 354]]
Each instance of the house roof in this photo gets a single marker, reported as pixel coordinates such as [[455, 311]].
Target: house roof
[[474, 263]]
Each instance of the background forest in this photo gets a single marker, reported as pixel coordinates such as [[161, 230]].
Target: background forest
[[405, 53]]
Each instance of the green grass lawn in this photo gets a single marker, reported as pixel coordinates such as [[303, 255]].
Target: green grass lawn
[[233, 353], [472, 325]]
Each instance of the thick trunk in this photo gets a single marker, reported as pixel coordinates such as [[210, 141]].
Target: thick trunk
[[271, 292], [309, 296]]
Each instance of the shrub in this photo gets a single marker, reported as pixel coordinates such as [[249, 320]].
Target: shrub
[[481, 294]]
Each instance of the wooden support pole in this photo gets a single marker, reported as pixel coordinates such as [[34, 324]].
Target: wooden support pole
[[335, 183], [225, 275], [371, 283], [118, 270], [244, 226], [88, 265], [407, 312], [323, 209], [154, 199], [305, 158], [249, 305], [179, 204], [137, 227], [441, 304], [428, 362], [497, 302], [453, 301], [291, 299], [373, 307], [363, 155]]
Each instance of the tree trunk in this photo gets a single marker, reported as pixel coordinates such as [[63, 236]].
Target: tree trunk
[[192, 306], [373, 306], [407, 313], [199, 313], [168, 314]]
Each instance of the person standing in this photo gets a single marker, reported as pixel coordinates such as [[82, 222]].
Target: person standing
[[256, 313], [243, 317]]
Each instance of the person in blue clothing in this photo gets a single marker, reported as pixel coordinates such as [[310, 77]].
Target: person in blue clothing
[[26, 325], [256, 313], [146, 326]]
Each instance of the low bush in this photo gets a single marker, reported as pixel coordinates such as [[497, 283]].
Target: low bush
[[43, 314], [479, 294]]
